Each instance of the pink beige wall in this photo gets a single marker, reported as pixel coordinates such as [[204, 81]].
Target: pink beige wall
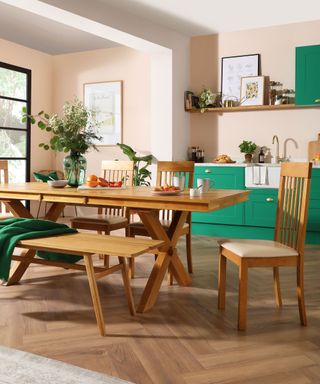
[[41, 67], [222, 133], [71, 71]]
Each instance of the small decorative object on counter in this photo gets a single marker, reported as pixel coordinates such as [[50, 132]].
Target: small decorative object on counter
[[261, 156], [197, 155], [223, 159], [200, 156], [248, 148]]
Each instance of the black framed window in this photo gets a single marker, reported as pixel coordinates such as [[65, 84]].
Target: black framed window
[[15, 93]]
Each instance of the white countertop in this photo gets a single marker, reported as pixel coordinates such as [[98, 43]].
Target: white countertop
[[242, 164]]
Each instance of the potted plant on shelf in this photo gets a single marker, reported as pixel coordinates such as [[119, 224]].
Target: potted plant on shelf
[[248, 148], [206, 99], [141, 173], [75, 132]]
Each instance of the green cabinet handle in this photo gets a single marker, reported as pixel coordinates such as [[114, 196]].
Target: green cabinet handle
[[269, 199], [208, 171]]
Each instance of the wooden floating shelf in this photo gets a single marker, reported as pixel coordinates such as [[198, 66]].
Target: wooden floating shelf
[[254, 108]]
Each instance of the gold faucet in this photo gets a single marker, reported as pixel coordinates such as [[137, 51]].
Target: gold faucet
[[276, 138]]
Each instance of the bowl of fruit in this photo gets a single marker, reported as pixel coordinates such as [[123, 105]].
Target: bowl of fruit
[[166, 190], [95, 182]]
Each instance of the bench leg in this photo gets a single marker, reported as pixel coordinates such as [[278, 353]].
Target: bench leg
[[94, 294], [127, 286], [18, 271]]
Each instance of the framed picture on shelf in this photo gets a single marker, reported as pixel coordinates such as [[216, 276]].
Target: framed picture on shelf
[[253, 90], [105, 99], [233, 68]]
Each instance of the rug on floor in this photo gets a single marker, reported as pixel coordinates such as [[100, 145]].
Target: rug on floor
[[27, 368]]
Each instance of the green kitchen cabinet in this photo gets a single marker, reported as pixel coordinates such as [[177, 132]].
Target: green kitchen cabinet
[[254, 219], [307, 74], [314, 203], [222, 178], [260, 209]]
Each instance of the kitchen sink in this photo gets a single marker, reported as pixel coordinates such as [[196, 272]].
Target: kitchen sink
[[262, 176]]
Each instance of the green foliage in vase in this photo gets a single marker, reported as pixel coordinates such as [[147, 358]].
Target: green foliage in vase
[[141, 173], [75, 131], [247, 147]]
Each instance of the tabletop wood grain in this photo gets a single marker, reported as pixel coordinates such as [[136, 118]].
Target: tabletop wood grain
[[135, 197]]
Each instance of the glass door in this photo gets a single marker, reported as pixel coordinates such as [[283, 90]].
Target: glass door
[[15, 93]]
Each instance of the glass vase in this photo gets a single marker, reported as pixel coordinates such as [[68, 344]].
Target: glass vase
[[75, 166]]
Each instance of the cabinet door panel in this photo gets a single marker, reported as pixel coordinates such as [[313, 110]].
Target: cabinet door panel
[[261, 208], [223, 178], [307, 74]]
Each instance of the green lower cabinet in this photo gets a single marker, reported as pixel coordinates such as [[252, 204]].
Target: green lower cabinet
[[222, 178], [254, 219], [260, 210]]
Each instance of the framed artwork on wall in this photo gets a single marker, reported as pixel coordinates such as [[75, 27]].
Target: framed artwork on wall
[[252, 90], [105, 99], [233, 68]]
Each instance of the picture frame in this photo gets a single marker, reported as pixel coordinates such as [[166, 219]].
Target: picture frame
[[253, 90], [105, 100], [233, 68]]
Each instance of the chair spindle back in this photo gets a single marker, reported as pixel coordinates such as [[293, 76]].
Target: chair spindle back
[[114, 170], [4, 178], [292, 209], [165, 172]]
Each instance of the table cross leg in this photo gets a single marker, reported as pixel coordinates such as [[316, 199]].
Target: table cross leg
[[167, 256]]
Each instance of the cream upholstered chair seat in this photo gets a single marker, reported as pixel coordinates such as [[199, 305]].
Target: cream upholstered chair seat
[[257, 248]]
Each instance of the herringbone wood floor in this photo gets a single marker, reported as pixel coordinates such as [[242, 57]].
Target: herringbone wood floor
[[184, 339]]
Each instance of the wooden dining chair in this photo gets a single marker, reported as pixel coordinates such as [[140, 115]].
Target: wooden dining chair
[[4, 178], [165, 172], [110, 218], [287, 249]]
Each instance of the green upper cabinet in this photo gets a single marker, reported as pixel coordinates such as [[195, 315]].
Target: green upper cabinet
[[307, 74]]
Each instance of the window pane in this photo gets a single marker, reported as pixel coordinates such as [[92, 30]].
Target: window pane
[[13, 84], [17, 171], [13, 143], [11, 114]]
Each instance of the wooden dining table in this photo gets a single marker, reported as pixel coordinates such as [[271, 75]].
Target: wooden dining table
[[145, 203]]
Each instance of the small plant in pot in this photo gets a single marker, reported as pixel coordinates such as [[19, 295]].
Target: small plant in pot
[[248, 148]]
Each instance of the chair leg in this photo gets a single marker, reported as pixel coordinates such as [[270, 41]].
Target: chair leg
[[170, 276], [243, 292], [189, 254], [127, 286], [222, 282], [300, 293], [131, 261], [276, 285], [106, 258]]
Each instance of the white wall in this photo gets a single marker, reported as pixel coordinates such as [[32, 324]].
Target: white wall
[[140, 33]]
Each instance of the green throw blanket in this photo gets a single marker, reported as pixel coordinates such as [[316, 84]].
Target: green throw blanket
[[15, 229]]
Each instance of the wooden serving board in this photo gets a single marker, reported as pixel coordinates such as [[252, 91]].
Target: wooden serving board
[[313, 148]]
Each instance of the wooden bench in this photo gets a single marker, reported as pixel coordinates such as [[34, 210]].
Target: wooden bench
[[86, 245]]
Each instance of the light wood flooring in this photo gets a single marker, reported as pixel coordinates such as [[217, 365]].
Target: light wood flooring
[[184, 339]]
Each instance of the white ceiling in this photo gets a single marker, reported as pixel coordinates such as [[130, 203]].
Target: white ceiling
[[45, 35], [189, 17], [198, 17]]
